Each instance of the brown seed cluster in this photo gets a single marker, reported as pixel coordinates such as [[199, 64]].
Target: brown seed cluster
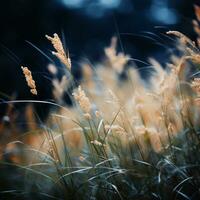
[[83, 100], [117, 60], [60, 52], [29, 80]]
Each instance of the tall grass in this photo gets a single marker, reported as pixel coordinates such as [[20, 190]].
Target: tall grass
[[124, 138]]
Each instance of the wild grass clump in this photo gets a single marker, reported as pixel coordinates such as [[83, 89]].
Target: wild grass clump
[[121, 139]]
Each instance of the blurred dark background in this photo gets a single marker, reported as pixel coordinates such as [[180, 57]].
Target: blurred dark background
[[87, 26]]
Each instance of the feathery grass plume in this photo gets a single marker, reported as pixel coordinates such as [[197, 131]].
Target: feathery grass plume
[[190, 48], [183, 38], [159, 74], [59, 87], [190, 52], [60, 52], [117, 60], [83, 101], [29, 80]]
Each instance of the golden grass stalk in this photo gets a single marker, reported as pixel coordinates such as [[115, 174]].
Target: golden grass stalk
[[60, 52], [117, 60], [83, 101], [29, 80]]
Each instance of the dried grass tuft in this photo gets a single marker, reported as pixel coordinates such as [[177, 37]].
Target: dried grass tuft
[[29, 80], [60, 52]]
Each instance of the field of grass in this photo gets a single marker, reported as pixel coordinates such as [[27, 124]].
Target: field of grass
[[123, 138]]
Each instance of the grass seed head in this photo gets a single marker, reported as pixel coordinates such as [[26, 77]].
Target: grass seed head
[[60, 52], [83, 100], [29, 80]]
